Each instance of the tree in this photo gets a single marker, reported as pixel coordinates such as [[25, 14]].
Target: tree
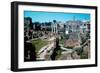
[[54, 21]]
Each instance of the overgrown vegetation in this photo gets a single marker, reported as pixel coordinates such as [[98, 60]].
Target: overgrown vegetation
[[58, 53], [84, 55]]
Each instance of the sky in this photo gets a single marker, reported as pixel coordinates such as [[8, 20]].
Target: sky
[[38, 16]]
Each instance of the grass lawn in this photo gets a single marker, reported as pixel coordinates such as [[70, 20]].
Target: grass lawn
[[39, 44]]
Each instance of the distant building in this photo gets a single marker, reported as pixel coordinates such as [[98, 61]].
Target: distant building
[[73, 30], [58, 27], [85, 27], [61, 27], [46, 26], [54, 26], [73, 26]]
